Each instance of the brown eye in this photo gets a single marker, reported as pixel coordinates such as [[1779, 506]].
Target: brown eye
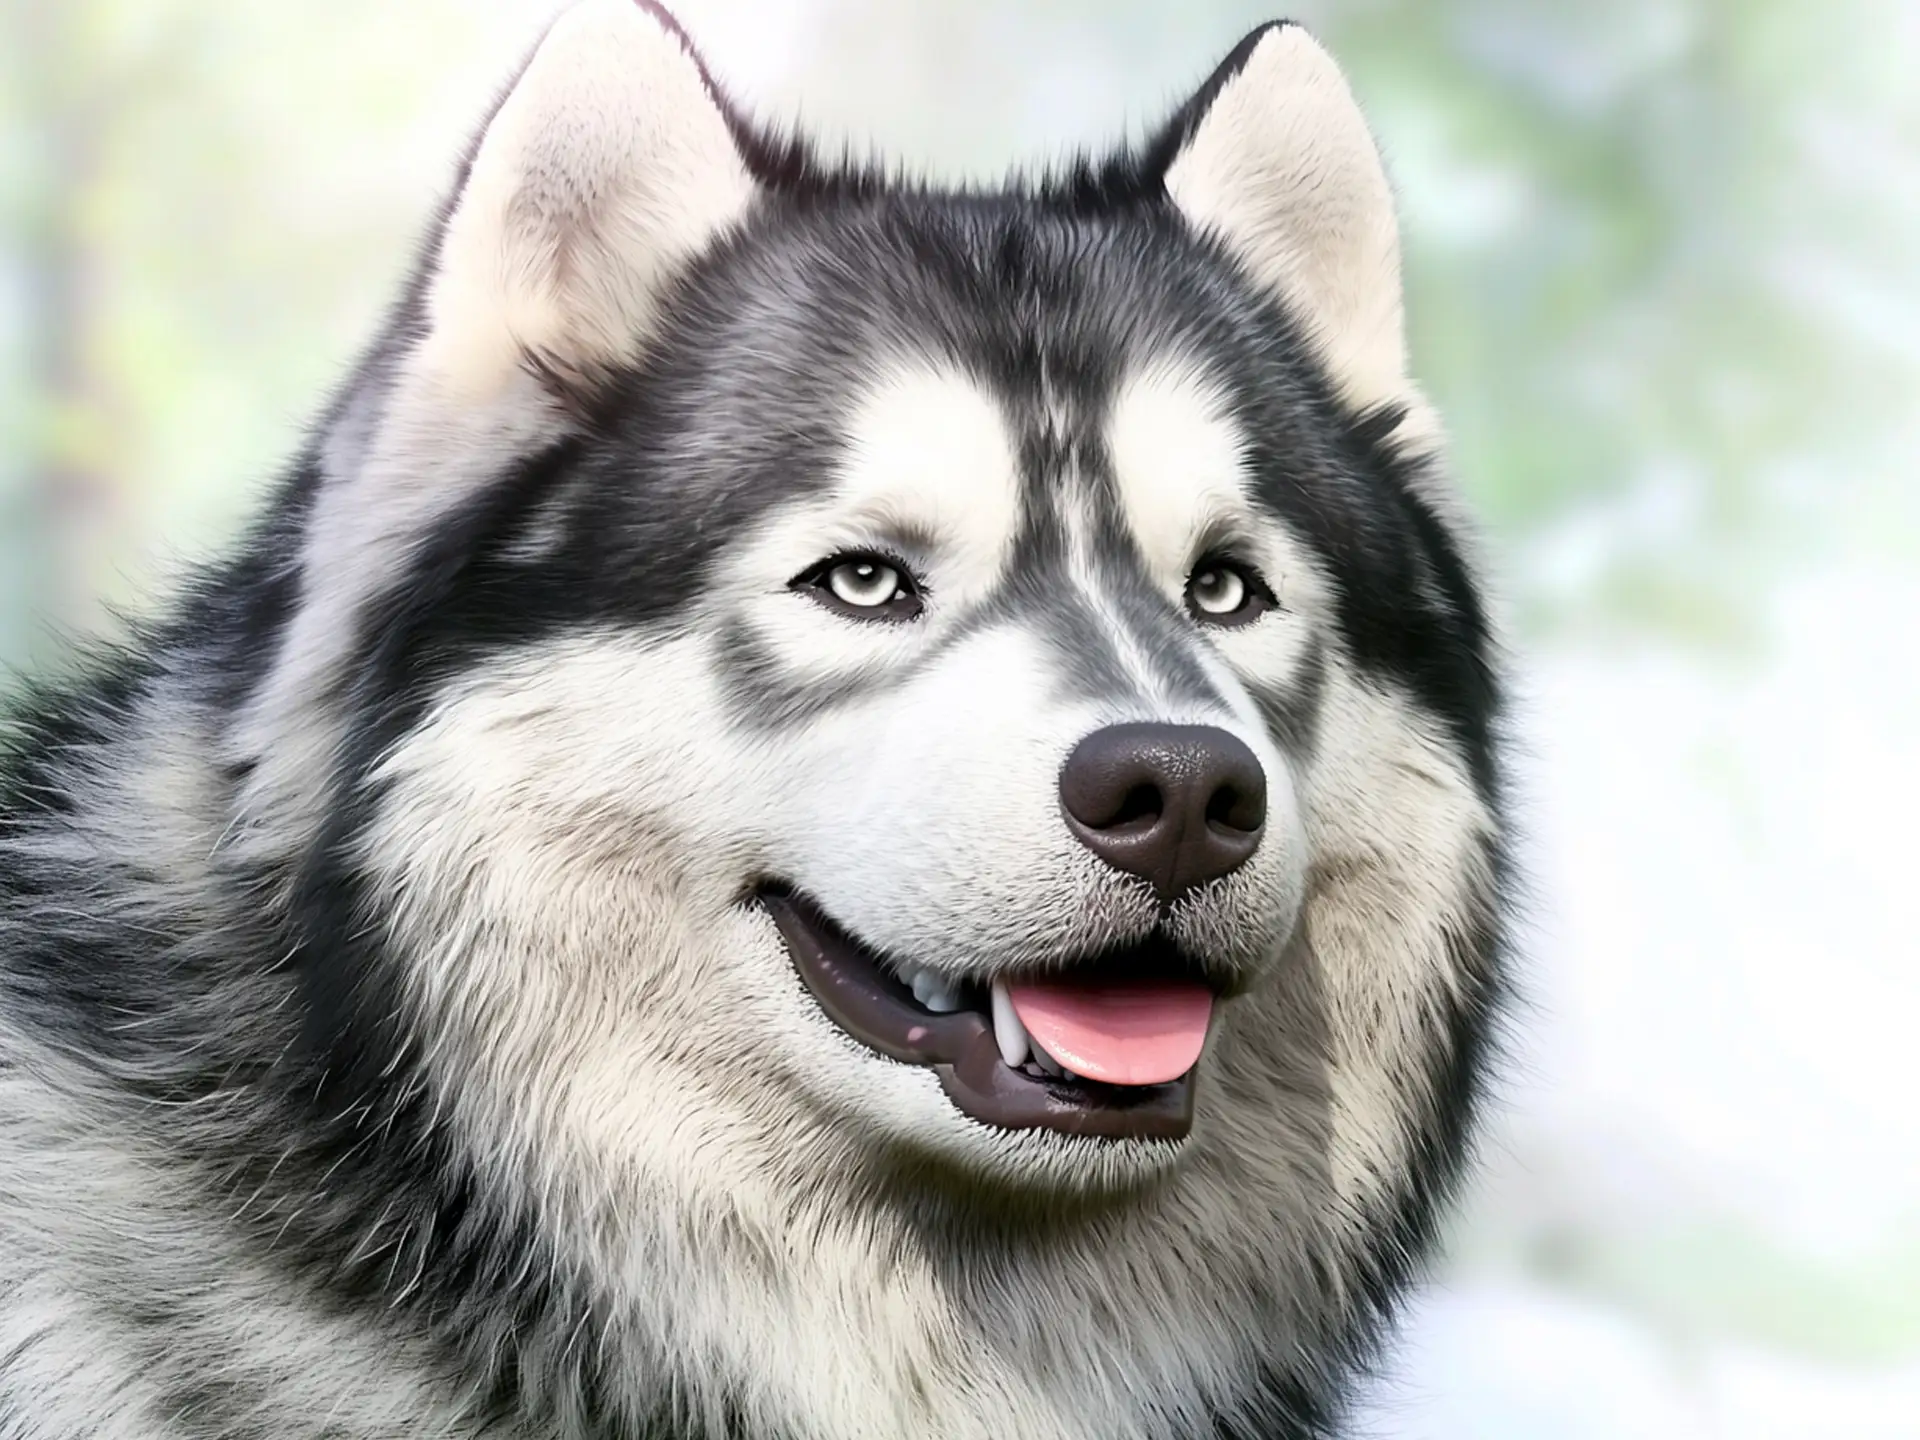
[[864, 587], [1220, 592]]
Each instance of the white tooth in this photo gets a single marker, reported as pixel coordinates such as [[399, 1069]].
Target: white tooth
[[1046, 1061], [932, 991], [1007, 1029]]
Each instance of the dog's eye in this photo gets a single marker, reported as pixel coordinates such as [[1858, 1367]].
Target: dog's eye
[[1220, 592], [865, 587]]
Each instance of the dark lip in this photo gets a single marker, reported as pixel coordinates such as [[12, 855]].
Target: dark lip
[[860, 997]]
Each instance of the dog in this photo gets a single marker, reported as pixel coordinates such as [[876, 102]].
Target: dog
[[821, 807]]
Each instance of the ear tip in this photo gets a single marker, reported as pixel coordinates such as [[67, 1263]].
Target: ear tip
[[1277, 53], [1285, 56], [599, 33], [664, 18], [621, 15], [1271, 27], [1283, 40]]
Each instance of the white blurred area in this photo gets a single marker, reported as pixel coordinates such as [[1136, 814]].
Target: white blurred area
[[1663, 272], [1699, 1216]]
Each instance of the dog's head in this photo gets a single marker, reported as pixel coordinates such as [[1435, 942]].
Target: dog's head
[[804, 676]]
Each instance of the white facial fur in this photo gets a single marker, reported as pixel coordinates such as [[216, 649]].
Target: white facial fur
[[597, 789], [929, 471], [566, 842], [922, 811]]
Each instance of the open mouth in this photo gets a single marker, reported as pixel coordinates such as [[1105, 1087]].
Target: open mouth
[[1105, 1050]]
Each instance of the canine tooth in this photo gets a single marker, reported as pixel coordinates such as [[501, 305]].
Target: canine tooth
[[1007, 1029]]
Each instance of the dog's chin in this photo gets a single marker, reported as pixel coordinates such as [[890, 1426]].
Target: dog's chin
[[949, 1086]]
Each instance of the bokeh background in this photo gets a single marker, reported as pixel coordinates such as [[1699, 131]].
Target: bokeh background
[[1663, 280]]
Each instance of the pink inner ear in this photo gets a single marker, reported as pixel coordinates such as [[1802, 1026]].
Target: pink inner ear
[[1129, 1034]]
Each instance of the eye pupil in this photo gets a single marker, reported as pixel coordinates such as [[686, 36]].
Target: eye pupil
[[1223, 593], [864, 587], [864, 583], [1219, 591]]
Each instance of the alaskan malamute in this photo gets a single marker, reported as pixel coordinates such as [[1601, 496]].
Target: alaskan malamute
[[824, 807]]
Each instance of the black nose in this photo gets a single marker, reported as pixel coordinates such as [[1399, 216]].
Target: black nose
[[1178, 805]]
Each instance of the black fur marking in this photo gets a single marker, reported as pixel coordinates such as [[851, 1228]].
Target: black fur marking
[[424, 629]]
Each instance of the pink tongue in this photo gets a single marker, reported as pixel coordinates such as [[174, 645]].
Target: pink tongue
[[1144, 1034]]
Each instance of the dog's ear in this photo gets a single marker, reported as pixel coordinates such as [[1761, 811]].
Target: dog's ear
[[1273, 158], [607, 167]]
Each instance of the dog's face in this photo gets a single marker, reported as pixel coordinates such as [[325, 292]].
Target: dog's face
[[979, 701], [968, 688]]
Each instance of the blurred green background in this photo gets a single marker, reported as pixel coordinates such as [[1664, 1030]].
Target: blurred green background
[[1663, 279]]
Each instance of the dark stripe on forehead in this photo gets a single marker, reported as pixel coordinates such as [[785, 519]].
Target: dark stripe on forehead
[[1036, 595], [1070, 504], [1062, 466], [1158, 625], [1073, 631]]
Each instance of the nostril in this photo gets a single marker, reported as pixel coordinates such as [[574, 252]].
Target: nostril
[[1141, 803], [1235, 809]]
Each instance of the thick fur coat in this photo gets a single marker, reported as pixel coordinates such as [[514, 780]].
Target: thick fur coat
[[396, 1036]]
